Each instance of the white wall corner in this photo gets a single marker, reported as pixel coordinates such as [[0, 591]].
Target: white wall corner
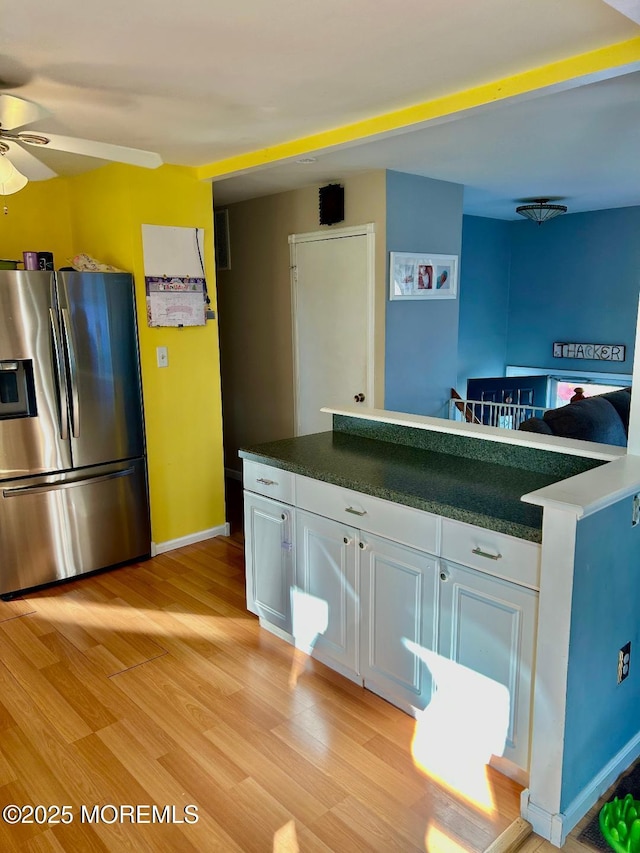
[[559, 830], [552, 659], [633, 443]]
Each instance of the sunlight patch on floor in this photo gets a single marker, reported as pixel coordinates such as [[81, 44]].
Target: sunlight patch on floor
[[285, 839], [121, 616], [465, 723], [437, 841]]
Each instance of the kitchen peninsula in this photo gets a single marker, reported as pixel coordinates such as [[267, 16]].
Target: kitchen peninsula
[[416, 540]]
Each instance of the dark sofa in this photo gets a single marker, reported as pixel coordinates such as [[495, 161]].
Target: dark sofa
[[603, 418]]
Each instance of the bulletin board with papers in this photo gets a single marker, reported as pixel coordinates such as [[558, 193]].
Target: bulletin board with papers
[[174, 276]]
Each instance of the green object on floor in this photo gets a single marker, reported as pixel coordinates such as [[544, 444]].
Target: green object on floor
[[620, 824]]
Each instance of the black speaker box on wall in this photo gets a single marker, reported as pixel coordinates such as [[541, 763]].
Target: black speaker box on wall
[[331, 203]]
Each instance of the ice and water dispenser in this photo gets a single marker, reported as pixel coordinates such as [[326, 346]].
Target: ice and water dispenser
[[17, 397]]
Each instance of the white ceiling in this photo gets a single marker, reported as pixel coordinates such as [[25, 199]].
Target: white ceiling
[[203, 80]]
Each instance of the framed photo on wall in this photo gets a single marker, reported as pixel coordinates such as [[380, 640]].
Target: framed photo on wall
[[422, 276]]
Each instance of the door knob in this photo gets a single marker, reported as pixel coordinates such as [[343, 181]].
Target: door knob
[[359, 398]]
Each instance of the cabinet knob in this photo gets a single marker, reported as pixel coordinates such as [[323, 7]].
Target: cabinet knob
[[444, 575], [359, 398], [363, 546]]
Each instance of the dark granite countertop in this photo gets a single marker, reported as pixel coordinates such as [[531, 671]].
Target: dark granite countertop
[[478, 492]]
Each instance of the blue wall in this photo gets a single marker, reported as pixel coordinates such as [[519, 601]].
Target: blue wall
[[522, 287], [484, 298], [575, 278], [423, 215], [602, 716]]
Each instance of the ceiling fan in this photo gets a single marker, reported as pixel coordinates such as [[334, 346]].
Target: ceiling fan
[[21, 166]]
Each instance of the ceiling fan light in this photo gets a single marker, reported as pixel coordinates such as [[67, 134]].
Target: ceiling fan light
[[540, 210], [11, 180]]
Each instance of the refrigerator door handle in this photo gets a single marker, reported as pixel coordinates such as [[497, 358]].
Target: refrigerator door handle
[[60, 377], [16, 491], [73, 372]]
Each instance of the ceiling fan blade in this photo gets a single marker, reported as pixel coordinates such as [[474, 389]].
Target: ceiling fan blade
[[29, 165], [16, 112], [103, 150]]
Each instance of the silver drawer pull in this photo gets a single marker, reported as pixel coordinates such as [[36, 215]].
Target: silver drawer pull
[[355, 511], [480, 553], [266, 482]]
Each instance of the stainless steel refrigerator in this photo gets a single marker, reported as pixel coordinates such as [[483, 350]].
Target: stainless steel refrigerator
[[73, 480]]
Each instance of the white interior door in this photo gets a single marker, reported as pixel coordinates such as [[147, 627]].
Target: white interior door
[[332, 282]]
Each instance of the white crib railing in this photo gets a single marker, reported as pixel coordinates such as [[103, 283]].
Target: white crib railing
[[503, 415]]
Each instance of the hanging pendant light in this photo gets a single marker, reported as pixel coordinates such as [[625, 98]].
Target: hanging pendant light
[[539, 210], [11, 180]]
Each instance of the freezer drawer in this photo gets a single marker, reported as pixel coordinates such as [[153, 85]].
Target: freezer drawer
[[55, 527]]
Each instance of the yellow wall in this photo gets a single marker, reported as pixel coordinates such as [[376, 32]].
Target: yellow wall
[[37, 220], [101, 213]]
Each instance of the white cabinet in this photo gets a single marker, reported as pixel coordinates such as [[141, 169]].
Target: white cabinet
[[400, 600], [269, 481], [269, 563], [487, 636], [494, 553], [394, 521], [399, 603], [327, 596]]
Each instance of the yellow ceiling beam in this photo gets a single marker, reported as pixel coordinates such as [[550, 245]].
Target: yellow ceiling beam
[[601, 63]]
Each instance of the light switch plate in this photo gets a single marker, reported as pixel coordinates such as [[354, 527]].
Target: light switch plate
[[162, 356]]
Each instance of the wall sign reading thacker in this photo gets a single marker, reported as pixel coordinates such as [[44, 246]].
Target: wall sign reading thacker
[[599, 352]]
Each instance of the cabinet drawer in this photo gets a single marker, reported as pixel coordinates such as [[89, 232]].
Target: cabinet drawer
[[269, 481], [495, 553], [373, 515]]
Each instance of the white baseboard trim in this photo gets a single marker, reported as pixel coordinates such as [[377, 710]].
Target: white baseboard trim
[[200, 536], [555, 828], [278, 632], [599, 784], [509, 769], [540, 820]]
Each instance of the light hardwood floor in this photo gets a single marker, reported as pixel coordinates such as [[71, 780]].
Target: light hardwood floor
[[152, 684]]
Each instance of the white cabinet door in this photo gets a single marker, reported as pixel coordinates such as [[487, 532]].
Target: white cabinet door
[[327, 594], [268, 532], [399, 598], [487, 633]]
